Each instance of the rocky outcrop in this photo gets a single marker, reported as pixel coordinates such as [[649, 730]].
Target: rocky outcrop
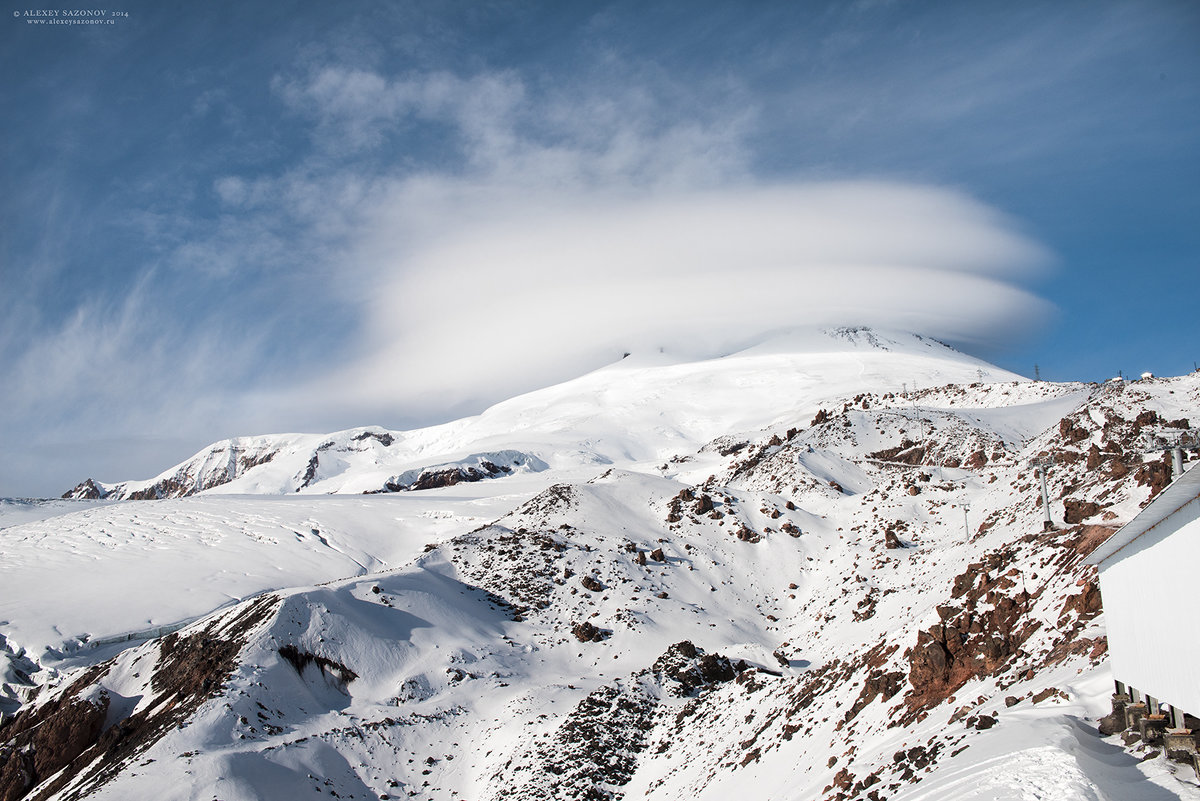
[[65, 739], [1156, 475], [691, 671], [977, 635], [477, 467], [49, 738], [87, 490], [586, 632], [218, 466], [334, 670], [594, 752], [907, 452], [1077, 511], [1086, 604]]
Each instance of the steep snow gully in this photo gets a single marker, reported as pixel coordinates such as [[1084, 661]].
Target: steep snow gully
[[814, 569]]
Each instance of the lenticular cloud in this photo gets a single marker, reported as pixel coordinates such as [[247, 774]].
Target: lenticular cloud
[[508, 293]]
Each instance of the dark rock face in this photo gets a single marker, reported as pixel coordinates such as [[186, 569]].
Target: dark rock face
[[595, 752], [977, 640], [174, 487], [591, 583], [1146, 418], [1077, 511], [86, 491], [382, 437], [310, 472], [1155, 475], [586, 632], [433, 479], [683, 663], [879, 684], [46, 740], [891, 535], [1087, 603], [747, 534], [907, 452], [66, 735], [302, 659], [185, 482], [1071, 431]]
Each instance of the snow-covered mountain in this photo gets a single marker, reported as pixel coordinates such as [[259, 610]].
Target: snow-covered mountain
[[816, 569], [645, 407]]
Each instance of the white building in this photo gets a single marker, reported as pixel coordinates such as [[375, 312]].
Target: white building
[[1148, 573]]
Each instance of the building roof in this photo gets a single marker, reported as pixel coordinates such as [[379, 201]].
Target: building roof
[[1174, 497]]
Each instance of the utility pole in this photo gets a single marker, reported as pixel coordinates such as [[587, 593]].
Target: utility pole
[[1037, 373], [1041, 465], [966, 521]]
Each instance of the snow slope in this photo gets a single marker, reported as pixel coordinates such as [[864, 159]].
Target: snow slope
[[810, 588]]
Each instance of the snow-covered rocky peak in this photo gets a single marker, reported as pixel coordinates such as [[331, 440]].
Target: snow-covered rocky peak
[[645, 407]]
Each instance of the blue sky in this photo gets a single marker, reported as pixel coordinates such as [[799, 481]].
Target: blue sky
[[230, 218]]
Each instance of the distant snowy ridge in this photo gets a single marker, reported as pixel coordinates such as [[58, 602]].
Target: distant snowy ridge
[[644, 407]]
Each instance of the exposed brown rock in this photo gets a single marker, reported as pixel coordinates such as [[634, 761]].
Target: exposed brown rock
[[747, 535], [1070, 431], [586, 632], [1087, 603], [1146, 418], [1077, 511], [879, 684], [907, 452], [434, 479], [41, 743], [1155, 475], [65, 738], [977, 642], [85, 491]]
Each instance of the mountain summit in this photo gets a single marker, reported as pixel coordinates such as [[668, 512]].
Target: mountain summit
[[644, 407]]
